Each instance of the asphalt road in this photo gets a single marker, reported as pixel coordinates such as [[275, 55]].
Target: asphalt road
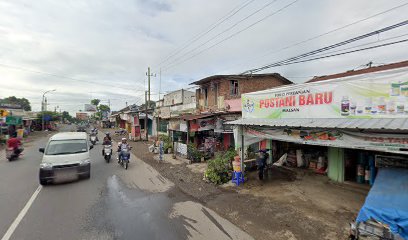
[[114, 203]]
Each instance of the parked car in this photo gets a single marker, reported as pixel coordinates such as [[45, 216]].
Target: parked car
[[66, 158]]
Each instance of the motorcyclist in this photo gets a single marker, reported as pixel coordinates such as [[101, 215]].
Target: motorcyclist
[[15, 144], [107, 134], [121, 146], [106, 141], [94, 132]]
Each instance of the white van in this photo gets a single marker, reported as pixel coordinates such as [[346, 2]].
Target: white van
[[66, 158]]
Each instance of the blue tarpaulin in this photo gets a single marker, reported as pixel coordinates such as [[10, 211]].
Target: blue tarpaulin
[[387, 201]]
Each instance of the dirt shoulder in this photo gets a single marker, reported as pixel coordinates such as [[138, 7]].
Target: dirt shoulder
[[288, 205]]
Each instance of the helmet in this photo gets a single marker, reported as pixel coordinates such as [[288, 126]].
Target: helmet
[[107, 133], [124, 139]]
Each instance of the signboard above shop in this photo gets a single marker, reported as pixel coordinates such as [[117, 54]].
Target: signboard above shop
[[13, 120], [373, 95]]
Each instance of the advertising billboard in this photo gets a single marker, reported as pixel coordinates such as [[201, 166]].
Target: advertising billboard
[[373, 95]]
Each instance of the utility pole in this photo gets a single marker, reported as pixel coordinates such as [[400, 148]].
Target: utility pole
[[145, 119], [147, 100]]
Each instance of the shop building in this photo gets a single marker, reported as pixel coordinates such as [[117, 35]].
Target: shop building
[[341, 126], [219, 101], [169, 110]]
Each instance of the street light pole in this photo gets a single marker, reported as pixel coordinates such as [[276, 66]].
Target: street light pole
[[43, 107]]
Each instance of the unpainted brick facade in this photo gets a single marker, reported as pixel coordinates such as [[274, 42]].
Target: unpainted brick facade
[[222, 87]]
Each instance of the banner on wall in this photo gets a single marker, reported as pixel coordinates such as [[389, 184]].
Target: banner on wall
[[206, 124], [373, 95], [397, 143]]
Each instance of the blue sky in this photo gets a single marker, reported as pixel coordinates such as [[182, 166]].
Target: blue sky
[[112, 43]]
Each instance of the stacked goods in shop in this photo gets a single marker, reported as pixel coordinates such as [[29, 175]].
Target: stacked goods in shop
[[291, 159], [313, 164]]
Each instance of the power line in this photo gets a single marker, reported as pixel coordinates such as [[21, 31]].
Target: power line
[[362, 45], [234, 34], [63, 76], [226, 30], [213, 26], [328, 47], [343, 53], [326, 33]]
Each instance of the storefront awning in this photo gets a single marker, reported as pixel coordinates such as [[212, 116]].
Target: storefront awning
[[340, 123]]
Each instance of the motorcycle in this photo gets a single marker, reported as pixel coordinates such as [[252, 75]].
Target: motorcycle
[[124, 157], [11, 155], [107, 152], [93, 139]]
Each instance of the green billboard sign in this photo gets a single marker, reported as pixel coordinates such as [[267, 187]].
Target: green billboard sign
[[13, 120]]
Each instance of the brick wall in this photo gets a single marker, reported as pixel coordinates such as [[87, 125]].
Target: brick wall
[[246, 85]]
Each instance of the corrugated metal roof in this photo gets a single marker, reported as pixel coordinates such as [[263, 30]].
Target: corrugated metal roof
[[344, 123]]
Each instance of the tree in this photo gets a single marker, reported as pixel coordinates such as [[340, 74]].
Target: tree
[[95, 102], [65, 115], [23, 102], [104, 108]]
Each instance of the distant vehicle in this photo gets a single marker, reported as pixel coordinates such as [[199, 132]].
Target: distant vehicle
[[107, 152], [81, 128], [93, 139], [11, 155], [121, 132], [124, 157], [66, 158]]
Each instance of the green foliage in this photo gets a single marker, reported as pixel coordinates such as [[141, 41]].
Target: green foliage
[[25, 104], [193, 153], [65, 115], [103, 108], [218, 169], [95, 101], [166, 142]]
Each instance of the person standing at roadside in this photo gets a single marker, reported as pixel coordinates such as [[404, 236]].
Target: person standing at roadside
[[261, 163]]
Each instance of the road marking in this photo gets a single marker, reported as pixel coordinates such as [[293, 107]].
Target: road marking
[[21, 215]]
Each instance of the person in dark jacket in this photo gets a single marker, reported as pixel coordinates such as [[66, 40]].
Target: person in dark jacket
[[261, 162]]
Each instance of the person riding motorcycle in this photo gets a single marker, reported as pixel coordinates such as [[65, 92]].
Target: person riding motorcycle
[[107, 135], [121, 146], [106, 141], [15, 144]]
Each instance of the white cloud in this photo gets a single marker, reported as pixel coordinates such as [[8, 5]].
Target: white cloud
[[113, 43]]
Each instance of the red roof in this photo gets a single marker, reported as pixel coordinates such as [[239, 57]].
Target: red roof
[[361, 71]]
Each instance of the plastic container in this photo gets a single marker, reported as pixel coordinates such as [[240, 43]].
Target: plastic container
[[395, 89], [368, 105], [404, 91], [381, 107], [345, 106]]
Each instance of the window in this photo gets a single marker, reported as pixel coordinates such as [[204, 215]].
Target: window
[[234, 89], [62, 147], [215, 89], [205, 96]]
